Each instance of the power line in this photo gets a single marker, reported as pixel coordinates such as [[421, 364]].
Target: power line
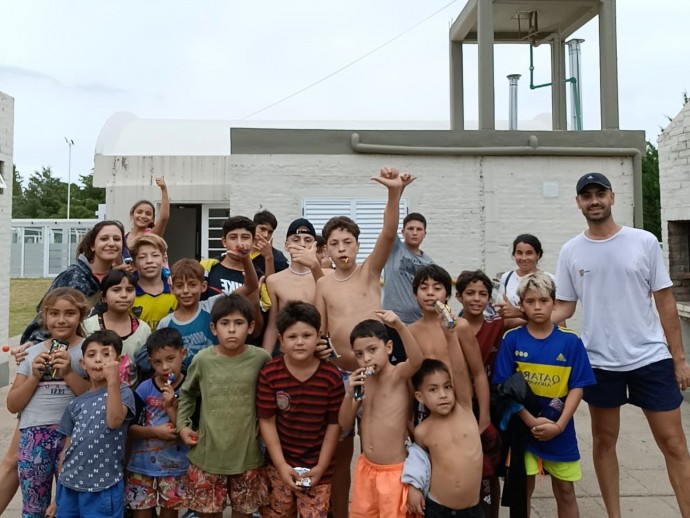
[[348, 65]]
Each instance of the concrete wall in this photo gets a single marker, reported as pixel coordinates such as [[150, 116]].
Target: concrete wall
[[475, 206], [674, 183], [6, 147]]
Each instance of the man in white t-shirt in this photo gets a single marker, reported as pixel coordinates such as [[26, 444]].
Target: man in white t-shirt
[[637, 357]]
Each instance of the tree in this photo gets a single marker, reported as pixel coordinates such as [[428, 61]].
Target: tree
[[651, 200], [45, 196], [17, 193]]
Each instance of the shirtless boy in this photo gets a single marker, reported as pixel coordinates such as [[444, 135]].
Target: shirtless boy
[[352, 293], [451, 437], [298, 281], [378, 490], [430, 284]]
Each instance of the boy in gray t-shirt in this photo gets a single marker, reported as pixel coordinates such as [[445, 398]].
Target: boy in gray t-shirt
[[95, 423]]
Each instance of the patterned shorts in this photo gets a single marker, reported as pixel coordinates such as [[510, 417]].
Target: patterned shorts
[[37, 463], [145, 492], [310, 503], [209, 493]]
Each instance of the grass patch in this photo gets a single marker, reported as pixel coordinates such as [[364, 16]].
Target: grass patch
[[25, 295]]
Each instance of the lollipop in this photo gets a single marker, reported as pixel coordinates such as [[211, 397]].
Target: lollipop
[[5, 348], [171, 378]]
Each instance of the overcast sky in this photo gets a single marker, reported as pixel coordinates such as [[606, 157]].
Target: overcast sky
[[71, 65]]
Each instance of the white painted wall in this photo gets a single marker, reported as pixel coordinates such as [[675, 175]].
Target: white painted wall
[[674, 184], [674, 171], [6, 147], [475, 206]]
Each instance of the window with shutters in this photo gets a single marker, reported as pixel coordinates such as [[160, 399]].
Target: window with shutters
[[367, 213], [212, 218]]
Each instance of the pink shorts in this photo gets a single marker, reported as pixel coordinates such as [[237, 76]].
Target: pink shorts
[[209, 493], [145, 492]]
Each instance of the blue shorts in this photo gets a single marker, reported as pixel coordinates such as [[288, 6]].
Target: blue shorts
[[108, 503], [652, 387]]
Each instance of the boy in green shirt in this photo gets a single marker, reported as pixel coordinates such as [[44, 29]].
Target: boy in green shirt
[[224, 453]]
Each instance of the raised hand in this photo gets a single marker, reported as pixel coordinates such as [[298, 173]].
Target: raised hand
[[389, 318]]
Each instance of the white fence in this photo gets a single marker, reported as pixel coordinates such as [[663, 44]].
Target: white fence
[[44, 247]]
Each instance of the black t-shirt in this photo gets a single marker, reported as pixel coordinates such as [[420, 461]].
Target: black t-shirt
[[280, 262], [224, 280]]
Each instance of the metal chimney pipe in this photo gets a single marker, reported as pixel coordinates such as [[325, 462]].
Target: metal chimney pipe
[[574, 54], [513, 101]]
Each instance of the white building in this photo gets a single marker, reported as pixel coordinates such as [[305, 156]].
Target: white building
[[674, 183], [478, 189], [6, 146]]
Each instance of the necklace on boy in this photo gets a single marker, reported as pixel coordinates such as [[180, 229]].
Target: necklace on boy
[[348, 277], [301, 274]]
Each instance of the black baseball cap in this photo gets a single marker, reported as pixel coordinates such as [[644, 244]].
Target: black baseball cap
[[301, 226], [592, 179]]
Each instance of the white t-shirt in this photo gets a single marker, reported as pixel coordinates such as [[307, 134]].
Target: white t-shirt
[[509, 288], [614, 278]]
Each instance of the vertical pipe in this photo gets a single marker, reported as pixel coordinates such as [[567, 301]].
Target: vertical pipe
[[559, 117], [457, 87], [513, 101], [575, 65], [608, 65], [485, 40]]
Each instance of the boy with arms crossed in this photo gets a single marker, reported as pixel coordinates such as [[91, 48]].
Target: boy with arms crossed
[[224, 453], [298, 281], [352, 293], [95, 423], [298, 401], [451, 437], [378, 490], [554, 363]]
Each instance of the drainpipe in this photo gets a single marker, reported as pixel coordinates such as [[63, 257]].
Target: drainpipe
[[531, 148], [574, 55], [513, 101]]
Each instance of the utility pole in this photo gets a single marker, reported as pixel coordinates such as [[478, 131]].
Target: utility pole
[[70, 143]]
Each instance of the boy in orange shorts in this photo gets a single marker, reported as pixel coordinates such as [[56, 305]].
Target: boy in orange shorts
[[381, 389]]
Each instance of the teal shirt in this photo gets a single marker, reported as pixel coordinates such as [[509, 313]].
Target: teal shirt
[[227, 427]]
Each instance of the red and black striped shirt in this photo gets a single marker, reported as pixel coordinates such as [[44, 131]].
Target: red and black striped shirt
[[303, 409]]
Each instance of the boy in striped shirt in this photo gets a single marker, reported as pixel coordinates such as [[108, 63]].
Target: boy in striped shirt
[[298, 400]]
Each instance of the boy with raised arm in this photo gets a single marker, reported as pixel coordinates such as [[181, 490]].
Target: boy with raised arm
[[298, 281], [381, 389], [352, 293], [450, 436]]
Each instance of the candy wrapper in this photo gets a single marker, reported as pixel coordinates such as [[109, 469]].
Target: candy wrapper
[[304, 483], [443, 310], [358, 393], [55, 345]]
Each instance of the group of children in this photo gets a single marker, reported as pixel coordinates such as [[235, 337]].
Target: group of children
[[168, 418]]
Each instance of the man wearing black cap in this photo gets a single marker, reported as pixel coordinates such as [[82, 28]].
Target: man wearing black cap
[[298, 281], [637, 357]]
